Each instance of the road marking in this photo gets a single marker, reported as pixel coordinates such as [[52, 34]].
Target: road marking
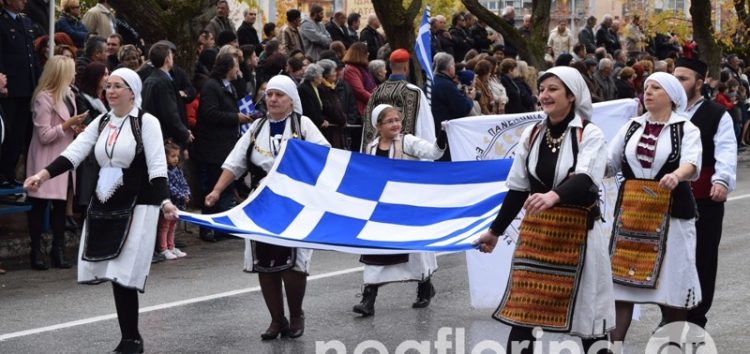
[[743, 196], [4, 337]]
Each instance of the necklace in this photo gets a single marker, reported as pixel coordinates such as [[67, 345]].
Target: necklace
[[112, 140], [553, 143]]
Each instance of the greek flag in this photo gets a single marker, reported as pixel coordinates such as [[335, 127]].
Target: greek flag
[[246, 106], [324, 198], [423, 51]]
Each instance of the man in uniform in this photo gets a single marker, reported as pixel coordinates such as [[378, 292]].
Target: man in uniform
[[397, 92], [717, 177], [19, 63]]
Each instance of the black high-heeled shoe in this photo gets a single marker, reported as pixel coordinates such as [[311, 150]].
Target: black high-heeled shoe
[[297, 327], [275, 329], [129, 346]]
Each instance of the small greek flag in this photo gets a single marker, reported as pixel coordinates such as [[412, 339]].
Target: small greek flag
[[423, 51], [246, 106], [324, 198]]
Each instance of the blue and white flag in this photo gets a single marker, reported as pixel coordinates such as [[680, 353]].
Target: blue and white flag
[[246, 106], [423, 51], [324, 198]]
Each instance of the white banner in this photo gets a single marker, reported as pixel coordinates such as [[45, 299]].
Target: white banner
[[495, 137]]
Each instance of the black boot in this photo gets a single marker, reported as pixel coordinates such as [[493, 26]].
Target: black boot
[[367, 306], [37, 260], [58, 258], [129, 346], [425, 293]]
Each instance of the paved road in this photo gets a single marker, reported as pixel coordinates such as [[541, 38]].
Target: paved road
[[206, 304]]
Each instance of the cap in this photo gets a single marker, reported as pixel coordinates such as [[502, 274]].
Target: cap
[[693, 64], [399, 56]]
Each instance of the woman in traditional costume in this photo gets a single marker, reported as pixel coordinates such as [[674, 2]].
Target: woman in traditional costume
[[653, 238], [120, 229], [560, 279], [255, 153], [384, 269]]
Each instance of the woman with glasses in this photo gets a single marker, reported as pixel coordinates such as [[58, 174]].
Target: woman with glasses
[[255, 153], [120, 230], [390, 143]]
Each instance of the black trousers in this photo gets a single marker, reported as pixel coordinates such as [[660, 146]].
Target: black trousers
[[56, 220], [708, 229], [17, 119]]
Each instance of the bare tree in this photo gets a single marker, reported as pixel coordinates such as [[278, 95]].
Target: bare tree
[[703, 33], [532, 51], [179, 21]]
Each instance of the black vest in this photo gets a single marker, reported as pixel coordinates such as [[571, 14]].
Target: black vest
[[707, 119]]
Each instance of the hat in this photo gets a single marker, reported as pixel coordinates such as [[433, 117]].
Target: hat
[[466, 76], [692, 64], [399, 56], [133, 81], [376, 113], [167, 43], [285, 84]]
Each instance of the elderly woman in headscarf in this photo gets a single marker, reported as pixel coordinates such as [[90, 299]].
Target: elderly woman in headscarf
[[654, 237], [255, 153], [120, 230], [383, 269], [560, 276]]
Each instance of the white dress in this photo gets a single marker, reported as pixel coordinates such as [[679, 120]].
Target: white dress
[[237, 164], [420, 265], [131, 267], [594, 311], [678, 284]]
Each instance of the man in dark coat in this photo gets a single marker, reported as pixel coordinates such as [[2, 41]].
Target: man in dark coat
[[247, 34], [336, 27], [586, 35], [462, 41], [21, 66], [160, 96], [371, 36]]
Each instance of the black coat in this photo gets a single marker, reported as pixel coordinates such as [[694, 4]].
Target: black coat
[[374, 41], [17, 57], [514, 105], [624, 89], [311, 106], [339, 34], [217, 129], [247, 34], [160, 98], [462, 43]]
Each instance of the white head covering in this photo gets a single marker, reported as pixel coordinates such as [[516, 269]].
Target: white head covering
[[672, 86], [574, 81], [285, 84], [133, 81], [376, 113]]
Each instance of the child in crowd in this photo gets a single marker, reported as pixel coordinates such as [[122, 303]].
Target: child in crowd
[[179, 192]]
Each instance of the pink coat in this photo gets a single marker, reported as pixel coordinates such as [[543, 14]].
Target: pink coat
[[48, 141]]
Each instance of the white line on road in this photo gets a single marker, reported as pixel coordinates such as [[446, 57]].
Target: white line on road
[[194, 300], [89, 320]]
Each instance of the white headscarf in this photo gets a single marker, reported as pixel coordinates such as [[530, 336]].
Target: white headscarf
[[376, 113], [285, 84], [672, 86], [574, 81], [133, 81]]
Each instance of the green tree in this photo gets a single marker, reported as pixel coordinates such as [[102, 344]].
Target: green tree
[[532, 51]]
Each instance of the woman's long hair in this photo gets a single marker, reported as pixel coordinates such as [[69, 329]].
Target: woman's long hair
[[57, 76]]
